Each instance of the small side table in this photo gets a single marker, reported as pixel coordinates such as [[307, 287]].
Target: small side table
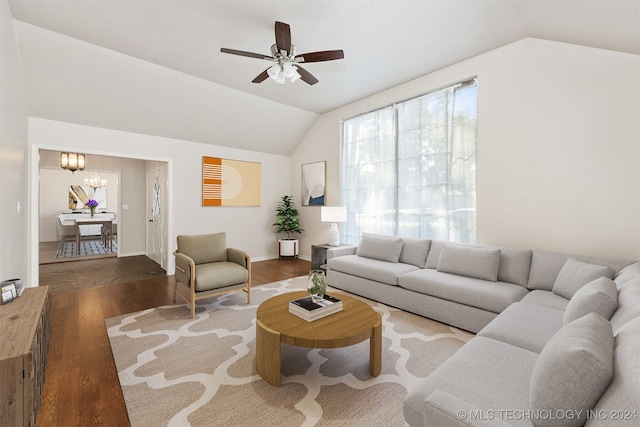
[[319, 256]]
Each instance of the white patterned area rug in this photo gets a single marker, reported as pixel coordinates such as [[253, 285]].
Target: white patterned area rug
[[175, 371], [87, 247]]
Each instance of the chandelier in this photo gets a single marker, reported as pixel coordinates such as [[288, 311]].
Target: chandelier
[[72, 161], [95, 181]]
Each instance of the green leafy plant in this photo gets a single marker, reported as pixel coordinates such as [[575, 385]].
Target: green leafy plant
[[317, 284], [287, 217]]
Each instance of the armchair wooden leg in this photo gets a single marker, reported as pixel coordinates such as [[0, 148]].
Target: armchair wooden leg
[[193, 308], [175, 290]]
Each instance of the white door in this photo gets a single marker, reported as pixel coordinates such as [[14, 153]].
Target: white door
[[156, 215]]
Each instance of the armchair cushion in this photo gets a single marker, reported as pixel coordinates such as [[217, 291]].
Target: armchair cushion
[[204, 248], [219, 275]]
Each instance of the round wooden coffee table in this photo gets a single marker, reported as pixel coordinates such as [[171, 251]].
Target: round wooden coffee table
[[356, 322]]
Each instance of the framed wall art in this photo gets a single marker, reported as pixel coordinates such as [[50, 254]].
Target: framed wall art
[[80, 194], [313, 183], [230, 182]]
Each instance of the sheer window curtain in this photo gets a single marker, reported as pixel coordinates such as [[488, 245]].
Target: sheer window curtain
[[368, 176], [410, 169]]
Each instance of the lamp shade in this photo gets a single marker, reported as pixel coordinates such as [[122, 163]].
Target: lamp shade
[[333, 214]]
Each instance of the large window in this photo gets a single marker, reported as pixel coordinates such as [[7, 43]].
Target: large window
[[410, 169]]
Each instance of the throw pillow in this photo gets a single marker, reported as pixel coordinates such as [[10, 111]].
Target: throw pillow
[[414, 251], [480, 263], [434, 254], [515, 265], [573, 370], [575, 274], [599, 296], [384, 248]]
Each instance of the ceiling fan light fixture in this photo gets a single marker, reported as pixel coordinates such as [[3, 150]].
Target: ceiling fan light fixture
[[276, 73], [289, 70], [296, 76]]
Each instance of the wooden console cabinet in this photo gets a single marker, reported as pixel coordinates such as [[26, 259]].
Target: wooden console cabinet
[[25, 334]]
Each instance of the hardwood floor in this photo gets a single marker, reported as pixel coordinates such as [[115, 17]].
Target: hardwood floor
[[66, 276], [81, 381]]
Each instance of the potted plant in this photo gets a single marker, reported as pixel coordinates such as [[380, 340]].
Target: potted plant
[[287, 222]]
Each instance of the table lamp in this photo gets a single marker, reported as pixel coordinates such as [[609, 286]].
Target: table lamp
[[334, 215]]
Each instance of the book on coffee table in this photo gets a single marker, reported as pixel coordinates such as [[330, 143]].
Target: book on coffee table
[[310, 311]]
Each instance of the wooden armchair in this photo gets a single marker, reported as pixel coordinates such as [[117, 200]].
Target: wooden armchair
[[205, 267]]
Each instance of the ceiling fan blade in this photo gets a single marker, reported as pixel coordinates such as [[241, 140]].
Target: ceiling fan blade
[[306, 76], [243, 53], [261, 77], [283, 37], [325, 55]]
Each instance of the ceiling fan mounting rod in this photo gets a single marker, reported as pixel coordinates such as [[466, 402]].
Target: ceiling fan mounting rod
[[282, 57]]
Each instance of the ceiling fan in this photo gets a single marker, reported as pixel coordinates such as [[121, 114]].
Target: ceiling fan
[[286, 60]]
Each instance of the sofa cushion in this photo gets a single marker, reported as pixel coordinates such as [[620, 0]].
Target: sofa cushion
[[515, 265], [434, 254], [575, 274], [545, 267], [622, 397], [204, 248], [481, 263], [218, 275], [546, 299], [599, 296], [490, 296], [628, 273], [628, 304], [372, 269], [525, 325], [414, 251], [573, 370], [384, 248], [486, 373]]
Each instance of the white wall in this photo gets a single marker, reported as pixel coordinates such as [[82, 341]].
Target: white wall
[[248, 228], [558, 147], [14, 233]]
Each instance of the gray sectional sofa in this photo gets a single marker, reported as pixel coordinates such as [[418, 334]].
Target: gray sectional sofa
[[558, 336]]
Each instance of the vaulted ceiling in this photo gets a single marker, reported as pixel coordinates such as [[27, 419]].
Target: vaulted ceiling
[[155, 66]]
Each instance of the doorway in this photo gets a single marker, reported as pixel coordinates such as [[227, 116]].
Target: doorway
[[132, 189]]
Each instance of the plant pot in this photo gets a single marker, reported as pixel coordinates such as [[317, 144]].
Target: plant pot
[[290, 247]]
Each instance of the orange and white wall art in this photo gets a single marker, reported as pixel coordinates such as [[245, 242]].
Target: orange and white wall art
[[230, 182]]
